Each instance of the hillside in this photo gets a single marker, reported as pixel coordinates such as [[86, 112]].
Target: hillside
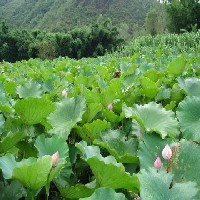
[[63, 15]]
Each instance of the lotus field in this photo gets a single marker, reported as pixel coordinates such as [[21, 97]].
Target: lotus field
[[101, 128]]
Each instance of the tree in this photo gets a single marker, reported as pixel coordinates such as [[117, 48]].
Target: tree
[[183, 14], [151, 22]]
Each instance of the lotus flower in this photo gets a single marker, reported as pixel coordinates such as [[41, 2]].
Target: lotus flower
[[110, 106], [167, 152], [55, 159], [157, 164], [64, 93]]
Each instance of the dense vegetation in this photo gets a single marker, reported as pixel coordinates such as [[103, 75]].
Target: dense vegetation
[[173, 43], [16, 44], [64, 15], [117, 128], [184, 15]]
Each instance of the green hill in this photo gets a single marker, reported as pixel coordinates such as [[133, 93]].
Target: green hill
[[63, 15]]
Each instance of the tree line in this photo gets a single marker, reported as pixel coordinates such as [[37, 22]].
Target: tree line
[[96, 40], [174, 16]]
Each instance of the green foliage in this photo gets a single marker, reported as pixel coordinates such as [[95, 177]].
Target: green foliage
[[155, 101], [154, 118], [185, 167], [156, 185], [105, 193], [11, 139], [184, 15], [67, 114], [124, 150], [33, 174], [49, 146], [75, 192], [12, 191], [29, 90], [104, 167], [90, 131], [177, 66], [156, 20], [150, 147], [33, 110], [96, 40], [188, 114], [190, 85], [163, 44], [56, 15]]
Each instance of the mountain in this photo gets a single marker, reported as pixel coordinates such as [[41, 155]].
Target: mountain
[[63, 15]]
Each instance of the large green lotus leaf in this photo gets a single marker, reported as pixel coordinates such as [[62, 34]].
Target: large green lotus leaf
[[129, 80], [153, 117], [111, 175], [49, 146], [11, 139], [7, 164], [33, 175], [188, 113], [185, 165], [14, 191], [116, 143], [91, 131], [92, 96], [150, 147], [190, 85], [33, 110], [10, 87], [68, 112], [107, 171], [127, 68], [75, 192], [31, 89], [156, 185], [149, 88], [176, 93], [176, 67], [103, 72], [91, 111], [153, 75], [111, 92], [105, 193]]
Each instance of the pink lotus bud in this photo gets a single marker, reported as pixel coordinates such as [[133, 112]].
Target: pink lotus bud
[[157, 164], [64, 93], [55, 159], [110, 106], [167, 152]]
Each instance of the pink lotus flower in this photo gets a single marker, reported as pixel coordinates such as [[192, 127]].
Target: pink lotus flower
[[157, 164], [64, 93], [167, 152], [55, 159], [110, 106]]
